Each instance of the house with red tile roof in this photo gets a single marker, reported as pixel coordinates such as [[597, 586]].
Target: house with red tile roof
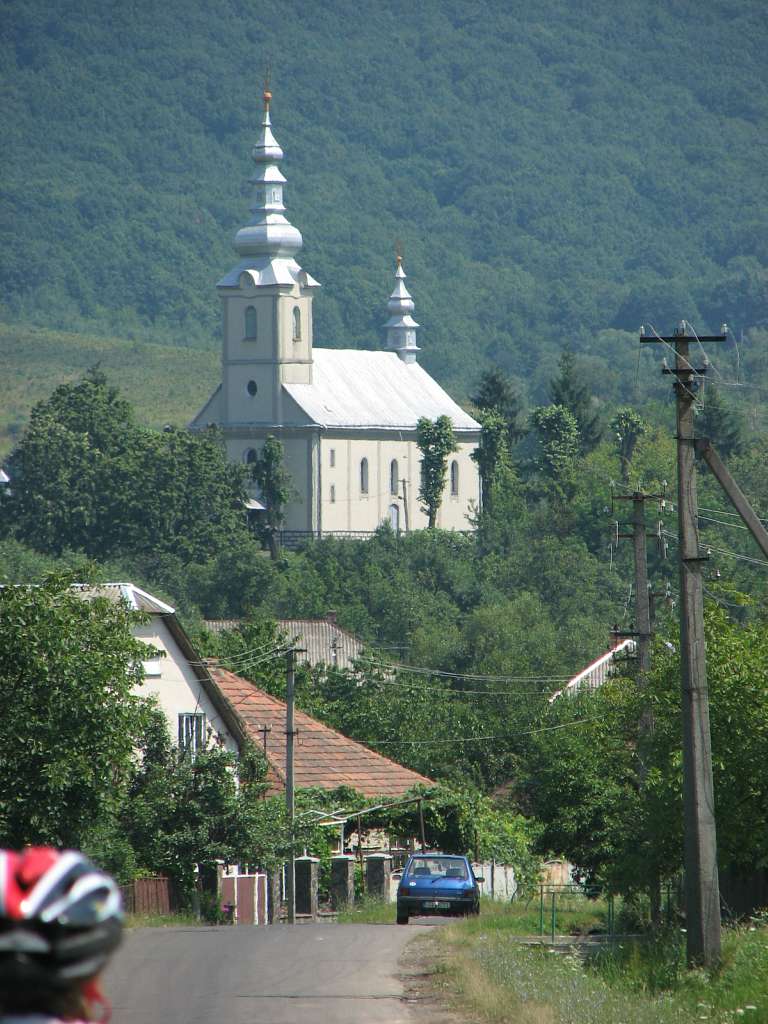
[[323, 758]]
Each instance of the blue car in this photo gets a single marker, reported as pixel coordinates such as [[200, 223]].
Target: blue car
[[437, 883]]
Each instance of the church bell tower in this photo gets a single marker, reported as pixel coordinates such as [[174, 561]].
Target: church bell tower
[[266, 300]]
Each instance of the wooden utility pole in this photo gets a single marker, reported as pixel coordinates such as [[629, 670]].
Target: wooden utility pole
[[702, 890], [404, 482], [642, 631], [290, 732]]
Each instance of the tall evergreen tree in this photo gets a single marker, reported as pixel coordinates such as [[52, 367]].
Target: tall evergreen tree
[[497, 394], [719, 423], [570, 390]]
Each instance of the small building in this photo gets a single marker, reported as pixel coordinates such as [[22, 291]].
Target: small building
[[323, 757], [346, 417], [321, 641]]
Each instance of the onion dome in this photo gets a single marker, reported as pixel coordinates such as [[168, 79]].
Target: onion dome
[[269, 233]]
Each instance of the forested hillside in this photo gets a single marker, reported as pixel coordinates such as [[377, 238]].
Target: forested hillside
[[557, 172]]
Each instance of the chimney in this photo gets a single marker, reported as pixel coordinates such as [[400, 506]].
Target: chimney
[[330, 616]]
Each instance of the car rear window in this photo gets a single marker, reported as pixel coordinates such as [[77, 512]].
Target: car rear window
[[437, 867]]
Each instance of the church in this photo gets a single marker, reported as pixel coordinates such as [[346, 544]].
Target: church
[[346, 417]]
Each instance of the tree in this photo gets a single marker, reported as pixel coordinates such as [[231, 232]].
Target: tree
[[435, 442], [274, 483], [87, 478], [183, 810], [558, 436], [569, 390], [492, 453], [719, 423], [70, 720], [627, 427], [496, 394]]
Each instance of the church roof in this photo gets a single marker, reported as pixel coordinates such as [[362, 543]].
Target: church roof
[[352, 388]]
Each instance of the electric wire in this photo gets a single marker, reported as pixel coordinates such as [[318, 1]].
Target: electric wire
[[466, 675], [484, 739]]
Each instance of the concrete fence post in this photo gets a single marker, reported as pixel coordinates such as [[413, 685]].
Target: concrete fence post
[[274, 885], [342, 881], [307, 871], [378, 867]]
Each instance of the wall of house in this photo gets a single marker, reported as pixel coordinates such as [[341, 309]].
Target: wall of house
[[174, 683]]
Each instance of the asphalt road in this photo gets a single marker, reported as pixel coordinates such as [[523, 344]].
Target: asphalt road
[[304, 974]]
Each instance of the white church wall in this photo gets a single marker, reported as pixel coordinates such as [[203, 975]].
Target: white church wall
[[345, 507]]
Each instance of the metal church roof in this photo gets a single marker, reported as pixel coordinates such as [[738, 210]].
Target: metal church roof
[[353, 389]]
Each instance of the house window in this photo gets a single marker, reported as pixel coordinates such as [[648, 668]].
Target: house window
[[454, 479], [364, 476], [394, 476], [333, 493], [192, 733], [333, 457], [296, 323], [152, 668], [250, 322], [251, 387]]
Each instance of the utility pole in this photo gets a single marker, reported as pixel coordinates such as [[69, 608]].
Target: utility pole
[[702, 890], [642, 634], [404, 482], [642, 631], [290, 732]]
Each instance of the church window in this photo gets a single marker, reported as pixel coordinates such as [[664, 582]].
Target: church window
[[332, 457], [296, 323], [333, 493], [249, 456], [364, 476], [250, 322], [251, 387], [394, 518], [394, 476], [455, 479]]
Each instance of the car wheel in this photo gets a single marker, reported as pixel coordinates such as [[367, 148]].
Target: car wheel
[[402, 918]]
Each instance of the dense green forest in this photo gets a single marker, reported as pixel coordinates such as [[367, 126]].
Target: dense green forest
[[557, 172]]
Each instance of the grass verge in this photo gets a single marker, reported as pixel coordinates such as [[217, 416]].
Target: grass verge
[[368, 911], [162, 921], [493, 978]]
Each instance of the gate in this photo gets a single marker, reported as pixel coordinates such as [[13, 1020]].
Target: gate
[[247, 894]]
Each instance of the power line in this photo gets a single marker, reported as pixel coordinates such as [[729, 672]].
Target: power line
[[483, 739], [465, 675], [724, 551]]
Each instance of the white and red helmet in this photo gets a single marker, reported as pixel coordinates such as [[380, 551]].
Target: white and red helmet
[[60, 917]]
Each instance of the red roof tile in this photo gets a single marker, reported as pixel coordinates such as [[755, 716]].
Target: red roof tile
[[322, 757]]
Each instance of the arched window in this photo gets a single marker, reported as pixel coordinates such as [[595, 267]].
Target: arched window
[[394, 518], [364, 476], [249, 456], [394, 476], [455, 479], [250, 322], [296, 323], [333, 493]]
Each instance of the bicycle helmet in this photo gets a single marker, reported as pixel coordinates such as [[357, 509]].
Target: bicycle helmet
[[60, 918]]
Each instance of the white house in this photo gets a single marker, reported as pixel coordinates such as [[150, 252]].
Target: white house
[[346, 418], [194, 708]]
